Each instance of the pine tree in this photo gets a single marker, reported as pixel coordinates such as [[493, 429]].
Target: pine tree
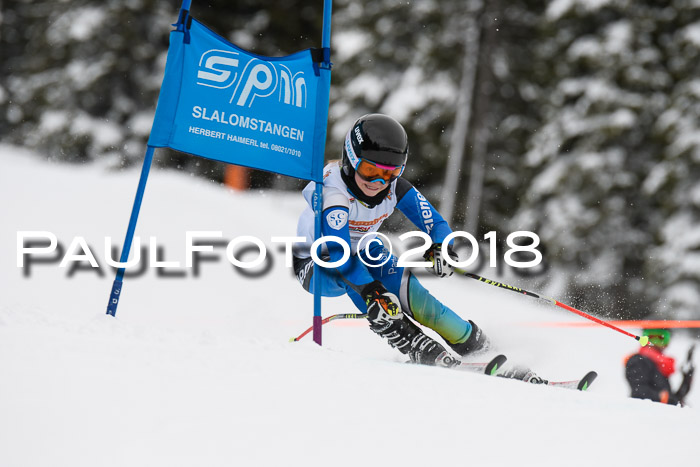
[[610, 73], [71, 71], [673, 183], [405, 59], [80, 79]]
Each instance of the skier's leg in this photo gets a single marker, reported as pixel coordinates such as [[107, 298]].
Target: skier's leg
[[400, 332], [463, 336], [357, 300], [388, 321], [332, 284]]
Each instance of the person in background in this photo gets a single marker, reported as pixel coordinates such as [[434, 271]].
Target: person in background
[[649, 370]]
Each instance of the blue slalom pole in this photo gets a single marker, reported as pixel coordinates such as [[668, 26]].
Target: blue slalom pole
[[318, 193], [326, 32], [117, 285], [318, 320], [184, 12], [148, 159]]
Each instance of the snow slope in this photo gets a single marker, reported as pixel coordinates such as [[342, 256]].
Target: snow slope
[[198, 370]]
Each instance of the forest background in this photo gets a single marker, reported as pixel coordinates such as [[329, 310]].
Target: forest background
[[578, 120]]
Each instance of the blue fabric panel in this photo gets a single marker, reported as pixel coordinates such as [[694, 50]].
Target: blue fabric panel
[[221, 102]]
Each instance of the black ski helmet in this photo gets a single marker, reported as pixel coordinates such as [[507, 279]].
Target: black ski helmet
[[376, 138]]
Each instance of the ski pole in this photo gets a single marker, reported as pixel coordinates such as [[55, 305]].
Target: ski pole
[[643, 340], [330, 318]]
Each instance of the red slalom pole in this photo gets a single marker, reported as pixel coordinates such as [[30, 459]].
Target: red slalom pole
[[643, 340], [328, 319]]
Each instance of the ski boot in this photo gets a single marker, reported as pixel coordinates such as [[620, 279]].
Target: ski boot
[[523, 374], [477, 342], [387, 320]]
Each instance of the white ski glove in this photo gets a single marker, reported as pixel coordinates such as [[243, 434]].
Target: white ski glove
[[436, 255]]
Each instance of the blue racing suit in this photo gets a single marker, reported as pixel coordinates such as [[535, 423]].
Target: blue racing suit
[[371, 263]]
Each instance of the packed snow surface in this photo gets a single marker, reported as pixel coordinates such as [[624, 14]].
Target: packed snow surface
[[197, 370]]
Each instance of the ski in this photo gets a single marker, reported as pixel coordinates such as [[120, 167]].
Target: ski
[[580, 384], [493, 366], [490, 368], [528, 376]]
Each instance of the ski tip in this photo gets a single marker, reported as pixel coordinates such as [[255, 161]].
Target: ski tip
[[587, 380], [495, 364], [292, 339], [643, 341]]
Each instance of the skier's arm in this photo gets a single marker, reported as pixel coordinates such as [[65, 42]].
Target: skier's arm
[[335, 222], [687, 372], [684, 388], [424, 216], [419, 211], [353, 271]]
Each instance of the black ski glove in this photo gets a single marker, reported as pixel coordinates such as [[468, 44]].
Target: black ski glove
[[684, 388], [436, 255], [386, 319], [687, 371], [382, 305]]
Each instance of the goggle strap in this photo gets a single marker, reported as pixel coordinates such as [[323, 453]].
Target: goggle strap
[[386, 167]]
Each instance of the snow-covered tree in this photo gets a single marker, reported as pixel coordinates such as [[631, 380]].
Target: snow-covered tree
[[673, 265], [79, 79], [406, 59], [613, 158], [583, 119]]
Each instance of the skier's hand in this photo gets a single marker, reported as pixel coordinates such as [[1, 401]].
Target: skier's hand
[[382, 305], [684, 388], [436, 255], [688, 374], [687, 371]]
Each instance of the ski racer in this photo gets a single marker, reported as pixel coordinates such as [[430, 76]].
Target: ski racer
[[649, 370], [359, 193]]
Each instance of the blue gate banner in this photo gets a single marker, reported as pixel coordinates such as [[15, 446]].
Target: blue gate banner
[[221, 102]]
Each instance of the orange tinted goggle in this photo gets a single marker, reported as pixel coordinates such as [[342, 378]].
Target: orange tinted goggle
[[373, 172]]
